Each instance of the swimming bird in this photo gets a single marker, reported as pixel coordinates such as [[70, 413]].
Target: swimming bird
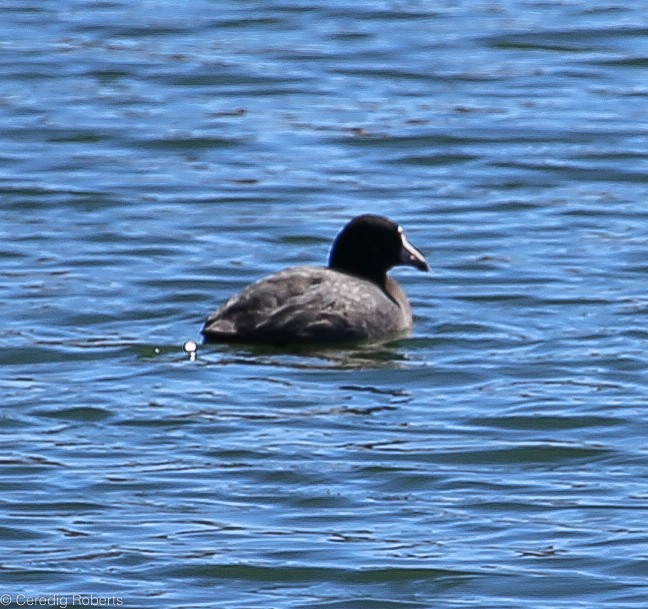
[[352, 299]]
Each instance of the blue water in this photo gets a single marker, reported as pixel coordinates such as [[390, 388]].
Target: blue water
[[157, 156]]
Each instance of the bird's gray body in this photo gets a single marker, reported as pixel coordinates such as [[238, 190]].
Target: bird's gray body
[[310, 304]]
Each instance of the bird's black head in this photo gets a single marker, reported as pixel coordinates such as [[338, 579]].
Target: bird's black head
[[368, 246]]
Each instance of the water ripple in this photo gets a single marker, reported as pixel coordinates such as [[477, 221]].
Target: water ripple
[[156, 158]]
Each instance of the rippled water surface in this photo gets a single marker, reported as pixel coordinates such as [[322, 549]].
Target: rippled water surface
[[157, 156]]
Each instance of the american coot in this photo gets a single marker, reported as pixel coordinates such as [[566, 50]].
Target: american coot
[[353, 299]]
